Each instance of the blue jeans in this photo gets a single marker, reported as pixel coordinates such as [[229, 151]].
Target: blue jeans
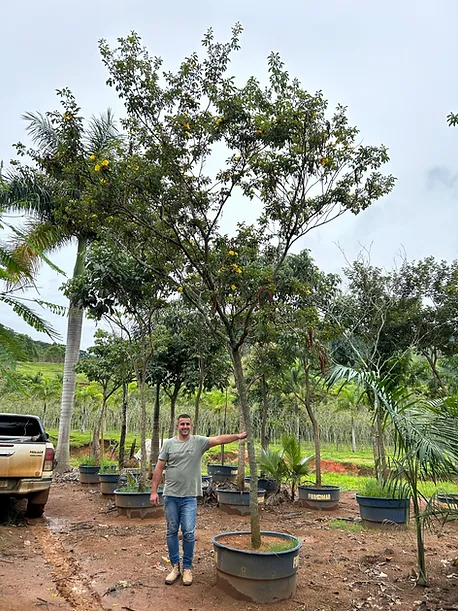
[[180, 511]]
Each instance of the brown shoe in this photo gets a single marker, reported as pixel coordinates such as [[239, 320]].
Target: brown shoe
[[187, 577], [173, 575]]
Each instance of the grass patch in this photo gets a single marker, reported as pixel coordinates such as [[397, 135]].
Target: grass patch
[[282, 546], [354, 527]]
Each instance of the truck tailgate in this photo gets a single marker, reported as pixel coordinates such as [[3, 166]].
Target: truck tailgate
[[21, 459]]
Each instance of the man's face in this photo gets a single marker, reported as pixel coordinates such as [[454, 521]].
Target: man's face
[[184, 427]]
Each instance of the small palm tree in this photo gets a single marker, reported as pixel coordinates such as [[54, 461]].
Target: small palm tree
[[425, 444], [288, 463]]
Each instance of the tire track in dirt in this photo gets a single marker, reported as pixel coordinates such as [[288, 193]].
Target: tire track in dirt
[[71, 583]]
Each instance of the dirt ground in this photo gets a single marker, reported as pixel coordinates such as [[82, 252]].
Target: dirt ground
[[81, 555]]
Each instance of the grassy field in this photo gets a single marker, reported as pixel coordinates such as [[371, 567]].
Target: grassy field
[[47, 370]]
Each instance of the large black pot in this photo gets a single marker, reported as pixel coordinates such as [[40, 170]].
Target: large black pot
[[324, 497], [376, 511], [89, 474], [222, 474], [263, 577], [137, 504], [449, 502], [108, 482], [234, 501], [269, 485]]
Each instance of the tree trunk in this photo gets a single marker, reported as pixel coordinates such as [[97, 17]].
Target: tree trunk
[[142, 389], [353, 434], [265, 411], [245, 409], [433, 364], [422, 579], [199, 394], [72, 352], [173, 402], [96, 442], [240, 482], [380, 454], [315, 428], [155, 431], [122, 438], [44, 414]]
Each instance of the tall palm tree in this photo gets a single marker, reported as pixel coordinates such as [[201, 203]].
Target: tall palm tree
[[70, 160]]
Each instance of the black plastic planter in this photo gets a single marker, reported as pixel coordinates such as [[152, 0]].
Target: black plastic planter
[[89, 474], [137, 504], [263, 577], [386, 512], [222, 474], [206, 481], [322, 498], [269, 485], [108, 482], [449, 502], [234, 501]]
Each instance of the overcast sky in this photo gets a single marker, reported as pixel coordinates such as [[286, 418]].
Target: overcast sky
[[390, 62]]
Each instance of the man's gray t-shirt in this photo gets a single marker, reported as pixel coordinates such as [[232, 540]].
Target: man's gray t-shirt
[[183, 476]]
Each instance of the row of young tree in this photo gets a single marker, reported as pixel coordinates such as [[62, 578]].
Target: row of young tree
[[145, 204]]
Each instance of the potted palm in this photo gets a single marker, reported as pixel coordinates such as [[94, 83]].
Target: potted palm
[[287, 464], [425, 446]]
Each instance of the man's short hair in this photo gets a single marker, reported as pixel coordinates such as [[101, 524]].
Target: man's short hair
[[183, 416]]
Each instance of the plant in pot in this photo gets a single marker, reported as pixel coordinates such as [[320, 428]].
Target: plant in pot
[[132, 499], [287, 464], [299, 382], [279, 141], [383, 504], [108, 476], [425, 446], [88, 467]]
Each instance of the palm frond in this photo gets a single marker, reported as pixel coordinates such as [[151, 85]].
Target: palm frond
[[101, 132], [37, 238], [29, 316], [41, 131], [26, 190]]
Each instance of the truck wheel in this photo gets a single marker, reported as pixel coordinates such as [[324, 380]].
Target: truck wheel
[[35, 510], [36, 503]]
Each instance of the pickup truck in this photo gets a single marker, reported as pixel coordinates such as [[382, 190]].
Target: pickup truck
[[26, 461]]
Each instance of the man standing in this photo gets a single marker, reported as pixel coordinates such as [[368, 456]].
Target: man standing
[[183, 484]]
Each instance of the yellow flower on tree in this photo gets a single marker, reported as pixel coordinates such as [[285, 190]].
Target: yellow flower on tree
[[186, 125], [219, 120], [180, 288], [259, 132], [232, 253], [105, 162], [324, 161], [92, 157], [233, 287], [98, 167]]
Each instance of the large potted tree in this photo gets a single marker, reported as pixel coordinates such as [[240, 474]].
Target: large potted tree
[[278, 141]]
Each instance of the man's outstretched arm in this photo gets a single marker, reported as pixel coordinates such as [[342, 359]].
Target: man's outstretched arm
[[223, 439]]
